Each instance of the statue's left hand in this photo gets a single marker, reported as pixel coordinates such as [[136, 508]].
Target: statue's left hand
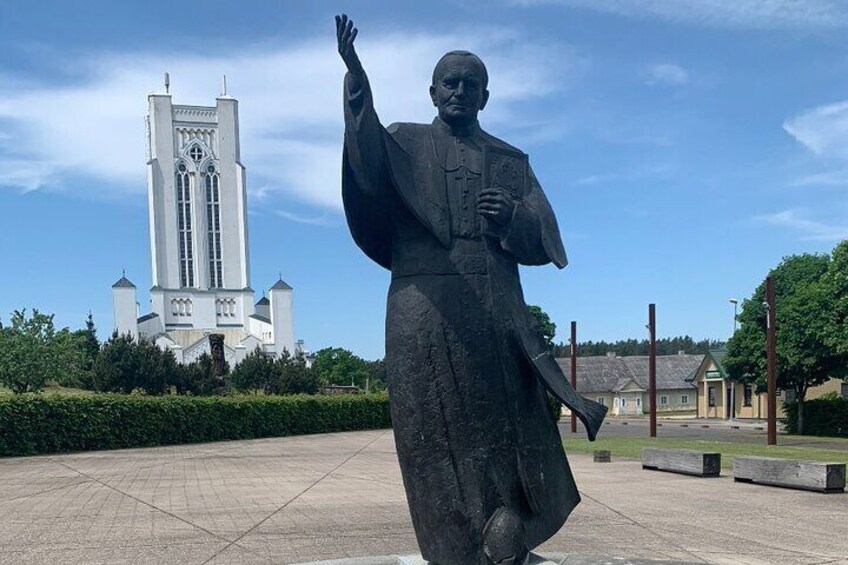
[[496, 204]]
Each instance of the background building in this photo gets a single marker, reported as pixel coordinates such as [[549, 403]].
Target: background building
[[621, 383], [197, 200], [720, 397]]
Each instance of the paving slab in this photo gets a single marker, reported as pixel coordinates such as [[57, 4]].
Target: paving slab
[[548, 559], [328, 497]]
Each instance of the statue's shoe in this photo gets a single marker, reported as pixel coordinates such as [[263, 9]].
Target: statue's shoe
[[503, 538]]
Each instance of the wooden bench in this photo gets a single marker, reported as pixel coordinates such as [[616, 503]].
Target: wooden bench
[[790, 473], [686, 461]]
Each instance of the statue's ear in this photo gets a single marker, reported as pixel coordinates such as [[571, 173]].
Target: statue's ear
[[485, 99], [433, 94]]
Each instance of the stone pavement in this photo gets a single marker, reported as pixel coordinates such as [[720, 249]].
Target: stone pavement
[[313, 498]]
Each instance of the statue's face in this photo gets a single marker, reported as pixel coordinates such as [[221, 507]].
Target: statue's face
[[459, 91]]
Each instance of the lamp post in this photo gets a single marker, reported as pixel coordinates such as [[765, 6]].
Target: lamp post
[[735, 306], [732, 384]]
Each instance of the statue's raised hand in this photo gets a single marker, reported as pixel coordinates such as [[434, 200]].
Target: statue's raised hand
[[345, 35]]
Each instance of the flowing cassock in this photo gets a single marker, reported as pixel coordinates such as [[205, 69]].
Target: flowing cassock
[[467, 371]]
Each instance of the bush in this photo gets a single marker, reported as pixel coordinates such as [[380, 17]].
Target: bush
[[31, 424], [198, 377], [124, 364], [285, 375], [825, 416]]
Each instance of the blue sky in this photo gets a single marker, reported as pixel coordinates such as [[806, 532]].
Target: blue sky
[[685, 146]]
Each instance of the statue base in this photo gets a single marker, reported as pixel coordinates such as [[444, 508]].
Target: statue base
[[543, 559]]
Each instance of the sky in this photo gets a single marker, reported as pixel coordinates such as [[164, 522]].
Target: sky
[[686, 146]]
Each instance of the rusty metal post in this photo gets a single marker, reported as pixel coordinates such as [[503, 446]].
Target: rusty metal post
[[771, 353], [573, 371], [652, 368]]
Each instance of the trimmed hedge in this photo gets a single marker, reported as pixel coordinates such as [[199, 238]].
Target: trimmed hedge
[[31, 424], [822, 417]]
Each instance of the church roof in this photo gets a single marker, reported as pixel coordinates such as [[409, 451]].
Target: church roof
[[260, 318], [263, 301], [123, 282], [281, 285]]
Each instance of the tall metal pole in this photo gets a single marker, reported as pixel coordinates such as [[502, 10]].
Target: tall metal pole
[[652, 368], [573, 371], [733, 384], [771, 345]]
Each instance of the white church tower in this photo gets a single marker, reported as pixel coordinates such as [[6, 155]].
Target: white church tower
[[197, 200]]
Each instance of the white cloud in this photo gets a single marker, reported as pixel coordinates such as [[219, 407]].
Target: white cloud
[[322, 220], [809, 229], [824, 130], [25, 175], [828, 178], [656, 170], [756, 14], [667, 73], [290, 107]]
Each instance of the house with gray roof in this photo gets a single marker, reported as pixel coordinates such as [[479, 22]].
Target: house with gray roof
[[621, 383]]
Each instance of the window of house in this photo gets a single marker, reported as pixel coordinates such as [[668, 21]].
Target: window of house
[[638, 402], [844, 390], [623, 402], [711, 396], [663, 400], [601, 400], [747, 394], [615, 402], [684, 399], [791, 396]]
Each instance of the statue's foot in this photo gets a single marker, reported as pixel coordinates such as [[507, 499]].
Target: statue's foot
[[503, 538]]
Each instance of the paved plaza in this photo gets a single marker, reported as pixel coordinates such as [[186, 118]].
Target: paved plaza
[[313, 498]]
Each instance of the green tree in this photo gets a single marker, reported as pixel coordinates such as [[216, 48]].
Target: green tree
[[124, 364], [256, 372], [802, 310], [337, 366], [90, 348], [543, 324], [377, 379], [31, 352], [198, 377], [624, 347], [74, 367], [294, 377], [835, 283]]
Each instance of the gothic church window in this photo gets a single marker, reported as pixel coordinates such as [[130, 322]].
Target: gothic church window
[[213, 222], [183, 186]]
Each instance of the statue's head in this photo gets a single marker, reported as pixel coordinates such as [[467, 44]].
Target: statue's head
[[459, 87]]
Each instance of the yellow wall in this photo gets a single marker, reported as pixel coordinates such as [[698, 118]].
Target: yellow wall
[[759, 402]]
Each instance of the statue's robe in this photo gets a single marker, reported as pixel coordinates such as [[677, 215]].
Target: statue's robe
[[467, 371]]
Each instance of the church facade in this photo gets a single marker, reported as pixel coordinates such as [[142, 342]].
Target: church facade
[[197, 201]]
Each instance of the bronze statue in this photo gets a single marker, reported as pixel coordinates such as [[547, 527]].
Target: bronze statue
[[452, 211]]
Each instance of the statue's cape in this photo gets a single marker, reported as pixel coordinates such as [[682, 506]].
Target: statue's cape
[[415, 178]]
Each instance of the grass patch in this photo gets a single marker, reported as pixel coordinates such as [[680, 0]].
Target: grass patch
[[631, 448]]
